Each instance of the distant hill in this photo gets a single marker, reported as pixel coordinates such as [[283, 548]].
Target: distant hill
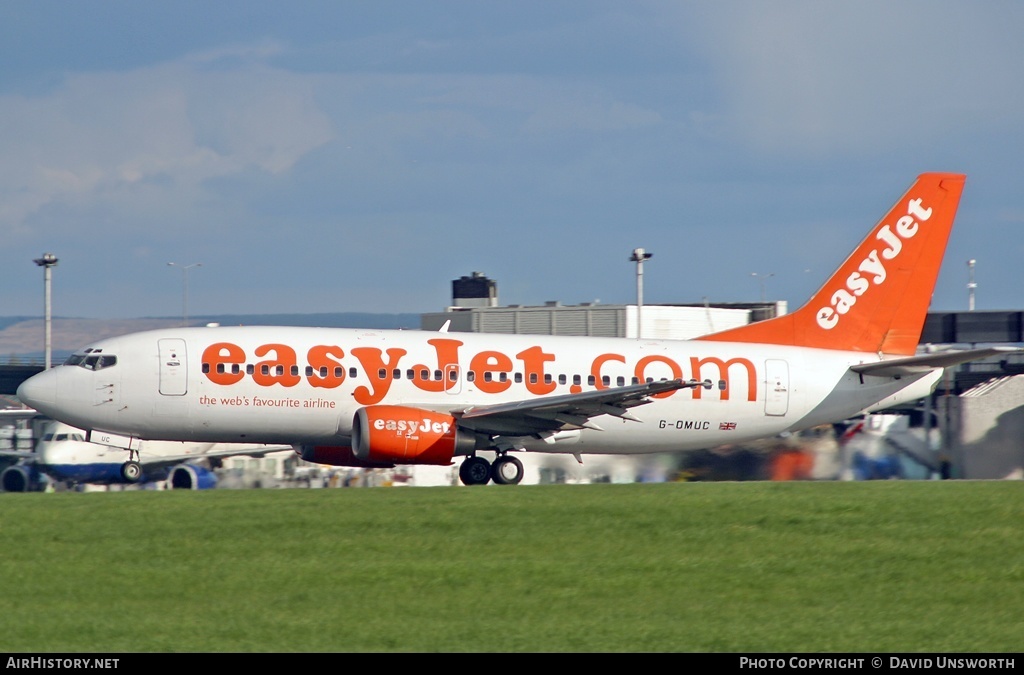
[[21, 338]]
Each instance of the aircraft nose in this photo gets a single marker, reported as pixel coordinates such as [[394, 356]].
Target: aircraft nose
[[39, 391]]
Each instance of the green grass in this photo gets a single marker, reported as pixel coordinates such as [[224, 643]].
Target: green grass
[[711, 567]]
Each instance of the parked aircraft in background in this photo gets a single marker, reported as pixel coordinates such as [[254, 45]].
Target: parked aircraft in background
[[881, 446], [63, 454], [382, 398]]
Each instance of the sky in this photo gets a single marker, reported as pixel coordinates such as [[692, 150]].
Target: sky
[[357, 156]]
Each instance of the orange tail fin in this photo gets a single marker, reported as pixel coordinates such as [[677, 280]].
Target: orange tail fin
[[878, 299]]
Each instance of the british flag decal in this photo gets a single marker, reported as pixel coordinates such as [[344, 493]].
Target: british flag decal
[[727, 426]]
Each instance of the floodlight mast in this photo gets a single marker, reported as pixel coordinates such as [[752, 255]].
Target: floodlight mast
[[639, 256], [971, 285], [47, 262]]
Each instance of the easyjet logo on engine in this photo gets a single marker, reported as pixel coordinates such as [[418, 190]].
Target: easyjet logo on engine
[[493, 372], [872, 271], [410, 427]]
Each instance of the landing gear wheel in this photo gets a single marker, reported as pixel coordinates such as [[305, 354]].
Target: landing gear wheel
[[507, 470], [475, 471], [131, 471]]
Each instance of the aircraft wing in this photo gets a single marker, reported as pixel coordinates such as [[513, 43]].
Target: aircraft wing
[[15, 414], [912, 365], [569, 411], [16, 454], [215, 451]]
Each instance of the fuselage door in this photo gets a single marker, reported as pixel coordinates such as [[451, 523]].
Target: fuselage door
[[173, 367], [776, 387]]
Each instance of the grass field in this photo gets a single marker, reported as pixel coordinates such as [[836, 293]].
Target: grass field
[[712, 567]]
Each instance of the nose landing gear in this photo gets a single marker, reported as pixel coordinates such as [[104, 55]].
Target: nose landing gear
[[131, 471]]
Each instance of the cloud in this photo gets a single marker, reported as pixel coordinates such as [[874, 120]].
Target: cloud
[[801, 78], [104, 137]]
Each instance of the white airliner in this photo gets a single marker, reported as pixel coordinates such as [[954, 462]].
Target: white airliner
[[382, 398], [63, 454]]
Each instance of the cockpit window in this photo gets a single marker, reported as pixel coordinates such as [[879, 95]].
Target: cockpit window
[[93, 361]]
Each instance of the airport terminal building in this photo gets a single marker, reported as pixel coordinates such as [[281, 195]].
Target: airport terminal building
[[475, 309]]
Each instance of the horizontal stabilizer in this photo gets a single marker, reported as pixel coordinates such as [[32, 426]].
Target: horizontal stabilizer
[[913, 365]]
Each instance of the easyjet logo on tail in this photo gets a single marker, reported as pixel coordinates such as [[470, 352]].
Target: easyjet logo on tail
[[872, 269]]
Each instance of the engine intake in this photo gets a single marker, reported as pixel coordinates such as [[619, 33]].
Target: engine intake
[[20, 478], [191, 477]]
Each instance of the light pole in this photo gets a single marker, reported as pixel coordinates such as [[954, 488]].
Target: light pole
[[47, 262], [760, 279], [970, 285], [184, 293], [639, 256]]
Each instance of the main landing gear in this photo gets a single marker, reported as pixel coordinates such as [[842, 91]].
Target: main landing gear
[[506, 470]]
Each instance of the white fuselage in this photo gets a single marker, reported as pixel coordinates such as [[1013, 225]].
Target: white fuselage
[[304, 385]]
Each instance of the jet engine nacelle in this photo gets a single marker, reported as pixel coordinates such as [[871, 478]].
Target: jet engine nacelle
[[403, 435], [191, 477], [21, 478]]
